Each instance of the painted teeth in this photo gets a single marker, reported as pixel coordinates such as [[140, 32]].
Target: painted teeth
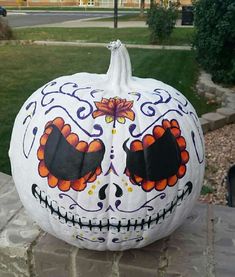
[[114, 224]]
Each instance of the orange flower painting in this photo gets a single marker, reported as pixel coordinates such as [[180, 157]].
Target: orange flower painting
[[114, 109]]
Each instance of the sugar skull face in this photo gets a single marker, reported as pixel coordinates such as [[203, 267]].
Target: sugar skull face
[[107, 161]]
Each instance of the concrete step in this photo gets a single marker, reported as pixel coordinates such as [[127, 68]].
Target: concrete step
[[203, 246]]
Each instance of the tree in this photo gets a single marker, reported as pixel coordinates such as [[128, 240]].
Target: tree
[[161, 20], [215, 38]]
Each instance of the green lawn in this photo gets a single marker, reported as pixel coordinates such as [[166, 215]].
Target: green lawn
[[180, 36], [126, 17], [26, 68]]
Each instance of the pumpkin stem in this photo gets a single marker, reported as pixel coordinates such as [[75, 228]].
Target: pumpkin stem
[[119, 72]]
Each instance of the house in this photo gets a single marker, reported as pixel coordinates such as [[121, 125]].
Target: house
[[90, 3]]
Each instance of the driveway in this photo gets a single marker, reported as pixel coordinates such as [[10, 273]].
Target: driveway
[[29, 19]]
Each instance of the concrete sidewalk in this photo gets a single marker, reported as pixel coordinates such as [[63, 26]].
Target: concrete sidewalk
[[204, 246], [91, 23]]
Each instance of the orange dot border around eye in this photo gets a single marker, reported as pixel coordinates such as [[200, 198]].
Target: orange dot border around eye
[[149, 139], [73, 139]]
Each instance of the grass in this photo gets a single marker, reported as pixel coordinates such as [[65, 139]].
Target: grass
[[26, 68], [126, 17], [206, 189], [180, 36]]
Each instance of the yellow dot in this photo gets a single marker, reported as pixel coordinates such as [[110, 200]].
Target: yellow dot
[[98, 182], [90, 192], [94, 186], [130, 189], [114, 131]]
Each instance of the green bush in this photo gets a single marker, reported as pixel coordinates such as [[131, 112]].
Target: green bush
[[5, 30], [215, 38], [161, 21]]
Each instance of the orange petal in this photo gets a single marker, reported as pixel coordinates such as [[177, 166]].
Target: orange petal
[[86, 177], [172, 180], [128, 114], [127, 172], [82, 146], [181, 142], [52, 180], [42, 169], [48, 130], [48, 123], [136, 145], [104, 100], [98, 171], [97, 113], [43, 139], [138, 179], [158, 131], [64, 185], [166, 123], [94, 146], [40, 153], [66, 130], [176, 132], [58, 122], [161, 185], [72, 139], [79, 184], [148, 140], [105, 108], [181, 171], [184, 156], [92, 178], [174, 123], [148, 185]]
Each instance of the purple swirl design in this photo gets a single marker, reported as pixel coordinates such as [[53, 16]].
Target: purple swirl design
[[99, 239], [117, 204], [94, 91], [201, 157], [70, 89], [96, 127], [137, 94], [75, 204], [133, 126], [145, 205], [149, 108], [33, 106], [86, 107], [117, 240]]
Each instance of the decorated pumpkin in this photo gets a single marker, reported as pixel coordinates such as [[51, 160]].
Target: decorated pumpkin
[[108, 161]]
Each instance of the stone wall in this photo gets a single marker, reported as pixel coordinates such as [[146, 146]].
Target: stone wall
[[203, 246], [224, 97]]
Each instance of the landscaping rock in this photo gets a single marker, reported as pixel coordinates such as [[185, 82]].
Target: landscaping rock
[[216, 120], [9, 200], [52, 257], [15, 245], [205, 124], [228, 112]]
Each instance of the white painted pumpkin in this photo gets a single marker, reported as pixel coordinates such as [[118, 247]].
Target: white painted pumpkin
[[108, 161]]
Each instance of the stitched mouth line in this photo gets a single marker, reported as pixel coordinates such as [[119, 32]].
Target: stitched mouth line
[[110, 225]]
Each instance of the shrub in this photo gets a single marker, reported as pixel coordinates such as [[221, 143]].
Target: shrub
[[161, 21], [215, 38], [5, 30]]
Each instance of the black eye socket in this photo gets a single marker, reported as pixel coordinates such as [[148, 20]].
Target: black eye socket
[[66, 162], [160, 160]]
